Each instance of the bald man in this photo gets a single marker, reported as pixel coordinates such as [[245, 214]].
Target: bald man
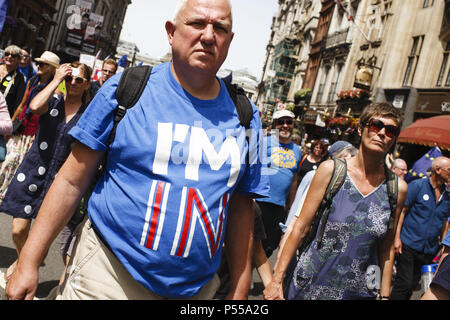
[[423, 220]]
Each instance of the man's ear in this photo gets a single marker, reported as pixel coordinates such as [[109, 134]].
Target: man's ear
[[170, 29]]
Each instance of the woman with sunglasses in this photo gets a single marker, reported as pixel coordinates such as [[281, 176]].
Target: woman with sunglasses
[[12, 81], [50, 148], [358, 237]]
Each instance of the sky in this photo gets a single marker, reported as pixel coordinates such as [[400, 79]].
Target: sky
[[252, 19]]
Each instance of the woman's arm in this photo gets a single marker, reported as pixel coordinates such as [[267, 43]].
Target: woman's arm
[[39, 105], [22, 103], [316, 192], [386, 249], [5, 120]]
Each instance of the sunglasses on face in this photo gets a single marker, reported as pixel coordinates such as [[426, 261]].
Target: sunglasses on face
[[78, 80], [13, 55], [376, 125], [285, 121], [41, 64]]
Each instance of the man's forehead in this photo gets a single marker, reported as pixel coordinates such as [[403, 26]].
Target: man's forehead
[[213, 11]]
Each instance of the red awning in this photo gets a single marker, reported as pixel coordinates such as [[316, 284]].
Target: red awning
[[428, 132]]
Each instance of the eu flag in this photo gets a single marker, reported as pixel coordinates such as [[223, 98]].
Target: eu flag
[[4, 5], [420, 167], [123, 61]]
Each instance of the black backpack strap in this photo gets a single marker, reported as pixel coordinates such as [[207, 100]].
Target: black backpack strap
[[244, 109], [132, 84], [243, 105], [336, 182], [392, 190]]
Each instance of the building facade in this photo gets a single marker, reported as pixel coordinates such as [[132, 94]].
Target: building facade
[[361, 51], [66, 27], [28, 23]]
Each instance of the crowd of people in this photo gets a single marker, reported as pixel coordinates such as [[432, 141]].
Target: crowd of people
[[188, 202]]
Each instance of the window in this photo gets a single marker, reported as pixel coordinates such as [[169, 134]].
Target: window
[[322, 85], [332, 93], [427, 3], [444, 67], [413, 59]]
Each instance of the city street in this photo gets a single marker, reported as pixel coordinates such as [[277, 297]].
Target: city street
[[49, 272]]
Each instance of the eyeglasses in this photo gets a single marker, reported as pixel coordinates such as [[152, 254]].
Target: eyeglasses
[[376, 125], [41, 64], [285, 121], [13, 55], [78, 80]]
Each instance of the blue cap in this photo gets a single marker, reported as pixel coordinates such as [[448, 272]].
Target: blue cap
[[338, 145]]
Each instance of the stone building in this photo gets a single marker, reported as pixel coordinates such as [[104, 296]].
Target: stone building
[[104, 19], [361, 51], [28, 23]]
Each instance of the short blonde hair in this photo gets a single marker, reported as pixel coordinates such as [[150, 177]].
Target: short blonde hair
[[13, 49]]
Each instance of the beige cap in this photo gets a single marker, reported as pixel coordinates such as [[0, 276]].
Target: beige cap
[[49, 58]]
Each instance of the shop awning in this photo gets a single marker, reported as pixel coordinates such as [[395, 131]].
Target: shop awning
[[428, 132]]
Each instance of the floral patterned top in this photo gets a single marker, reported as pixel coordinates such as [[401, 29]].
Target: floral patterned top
[[337, 270]]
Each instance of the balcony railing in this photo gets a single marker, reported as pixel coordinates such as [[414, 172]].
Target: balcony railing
[[335, 39]]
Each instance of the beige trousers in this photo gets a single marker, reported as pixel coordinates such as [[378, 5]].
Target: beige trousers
[[95, 273]]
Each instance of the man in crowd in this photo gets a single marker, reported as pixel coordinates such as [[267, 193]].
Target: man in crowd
[[400, 168], [162, 235], [423, 220], [284, 158], [25, 64], [109, 68]]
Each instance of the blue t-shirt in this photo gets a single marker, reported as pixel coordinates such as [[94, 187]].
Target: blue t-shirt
[[425, 218], [283, 160], [171, 170]]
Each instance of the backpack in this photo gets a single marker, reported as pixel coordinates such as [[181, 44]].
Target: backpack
[[335, 184], [131, 85]]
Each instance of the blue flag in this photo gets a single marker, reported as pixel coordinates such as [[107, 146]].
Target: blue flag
[[420, 167], [123, 61], [4, 5]]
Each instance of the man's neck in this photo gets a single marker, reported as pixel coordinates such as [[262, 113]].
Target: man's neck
[[436, 182], [199, 84]]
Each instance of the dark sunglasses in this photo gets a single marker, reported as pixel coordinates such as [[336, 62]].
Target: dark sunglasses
[[78, 80], [41, 64], [13, 55], [285, 121], [376, 125]]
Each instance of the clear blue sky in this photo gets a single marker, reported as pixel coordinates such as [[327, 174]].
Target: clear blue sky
[[145, 19]]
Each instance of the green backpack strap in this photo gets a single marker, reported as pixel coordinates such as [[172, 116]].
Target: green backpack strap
[[336, 182], [392, 190]]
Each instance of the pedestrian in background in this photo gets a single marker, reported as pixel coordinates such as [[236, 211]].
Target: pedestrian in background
[[57, 115], [422, 224], [25, 65], [147, 244], [357, 233], [284, 156], [109, 68], [12, 81], [22, 138], [400, 167]]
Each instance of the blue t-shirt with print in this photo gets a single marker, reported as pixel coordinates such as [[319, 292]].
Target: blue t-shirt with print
[[283, 160], [171, 170]]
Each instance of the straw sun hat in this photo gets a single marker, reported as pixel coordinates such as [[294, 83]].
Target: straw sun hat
[[49, 58]]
